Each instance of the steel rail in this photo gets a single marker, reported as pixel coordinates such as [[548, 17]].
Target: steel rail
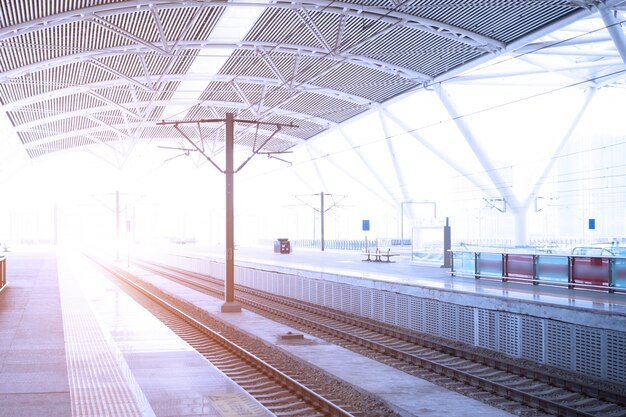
[[474, 380], [305, 393]]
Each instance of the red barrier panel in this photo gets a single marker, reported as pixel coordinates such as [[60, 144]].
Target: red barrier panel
[[519, 266], [591, 271]]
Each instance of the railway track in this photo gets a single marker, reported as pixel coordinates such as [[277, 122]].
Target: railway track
[[421, 355], [279, 392]]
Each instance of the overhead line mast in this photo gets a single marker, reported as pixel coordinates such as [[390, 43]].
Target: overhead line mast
[[229, 285]]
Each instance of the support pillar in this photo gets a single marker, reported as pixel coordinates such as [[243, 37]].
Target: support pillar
[[229, 282], [614, 27], [322, 218], [117, 225], [520, 237], [447, 245]]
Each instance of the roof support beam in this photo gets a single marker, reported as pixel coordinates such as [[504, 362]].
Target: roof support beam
[[108, 126], [315, 158], [137, 125], [341, 30], [118, 74], [394, 160], [557, 152], [441, 155], [373, 13], [268, 85], [497, 181], [272, 66], [347, 173], [159, 26], [615, 29], [122, 32], [339, 57], [381, 14], [235, 86], [297, 51], [304, 17], [113, 104], [368, 166]]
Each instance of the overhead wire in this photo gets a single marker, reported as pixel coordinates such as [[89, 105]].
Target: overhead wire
[[483, 110]]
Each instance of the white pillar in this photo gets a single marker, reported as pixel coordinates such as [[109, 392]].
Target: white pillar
[[520, 237]]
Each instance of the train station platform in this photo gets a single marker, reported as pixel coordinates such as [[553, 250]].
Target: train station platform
[[573, 329], [73, 344], [428, 279]]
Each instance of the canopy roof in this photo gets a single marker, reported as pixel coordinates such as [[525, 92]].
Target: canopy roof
[[87, 72]]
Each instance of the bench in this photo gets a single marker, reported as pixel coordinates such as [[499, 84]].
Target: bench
[[378, 256]]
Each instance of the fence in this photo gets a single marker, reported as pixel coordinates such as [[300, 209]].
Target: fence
[[573, 271]]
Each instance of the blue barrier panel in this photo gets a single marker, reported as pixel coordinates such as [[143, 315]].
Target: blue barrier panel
[[464, 263], [490, 264], [619, 273], [553, 268]]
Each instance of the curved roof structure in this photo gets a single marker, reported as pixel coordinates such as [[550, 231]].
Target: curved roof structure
[[76, 74]]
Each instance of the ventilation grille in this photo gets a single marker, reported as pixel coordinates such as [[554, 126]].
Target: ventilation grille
[[508, 334], [487, 329], [616, 359], [559, 345], [589, 351], [532, 336]]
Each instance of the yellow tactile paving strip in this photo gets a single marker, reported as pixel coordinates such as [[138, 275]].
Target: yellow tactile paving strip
[[100, 382]]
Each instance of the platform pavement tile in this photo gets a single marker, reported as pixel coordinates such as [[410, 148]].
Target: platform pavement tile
[[174, 360], [191, 379], [38, 343], [59, 366], [36, 356], [49, 404], [177, 408], [33, 382], [6, 336]]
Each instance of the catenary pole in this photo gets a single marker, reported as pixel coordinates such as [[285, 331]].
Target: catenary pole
[[322, 218], [229, 283]]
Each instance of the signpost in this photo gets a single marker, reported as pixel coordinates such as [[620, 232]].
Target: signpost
[[366, 228]]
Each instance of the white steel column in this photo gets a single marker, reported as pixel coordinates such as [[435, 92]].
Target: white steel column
[[615, 29], [438, 153], [530, 198], [310, 147], [518, 210], [498, 182], [368, 166], [399, 175], [313, 159]]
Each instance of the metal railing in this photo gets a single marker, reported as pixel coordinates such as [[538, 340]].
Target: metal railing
[[607, 273]]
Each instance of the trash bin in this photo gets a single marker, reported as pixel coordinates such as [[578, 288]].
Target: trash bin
[[285, 245]]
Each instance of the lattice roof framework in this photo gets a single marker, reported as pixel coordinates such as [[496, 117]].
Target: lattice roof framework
[[87, 73]]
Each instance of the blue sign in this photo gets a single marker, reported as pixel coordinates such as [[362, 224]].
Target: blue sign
[[592, 224], [366, 225]]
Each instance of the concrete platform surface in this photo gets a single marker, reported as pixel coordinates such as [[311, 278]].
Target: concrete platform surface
[[73, 344], [596, 309], [408, 395]]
